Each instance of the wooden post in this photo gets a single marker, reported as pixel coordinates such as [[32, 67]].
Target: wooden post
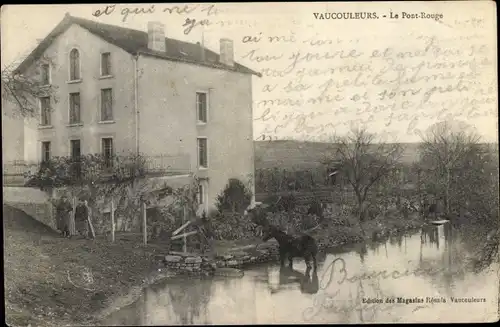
[[112, 219], [72, 227], [144, 224], [184, 245]]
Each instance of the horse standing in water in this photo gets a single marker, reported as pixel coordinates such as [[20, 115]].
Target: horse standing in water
[[293, 246], [289, 246]]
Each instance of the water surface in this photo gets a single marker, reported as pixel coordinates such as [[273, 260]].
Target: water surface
[[424, 265]]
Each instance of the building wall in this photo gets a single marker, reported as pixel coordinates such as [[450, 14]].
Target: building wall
[[12, 134], [168, 120], [91, 130]]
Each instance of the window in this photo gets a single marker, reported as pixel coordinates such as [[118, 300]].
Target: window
[[107, 151], [74, 108], [106, 105], [45, 74], [45, 151], [74, 65], [202, 153], [105, 64], [201, 194], [201, 106], [45, 111]]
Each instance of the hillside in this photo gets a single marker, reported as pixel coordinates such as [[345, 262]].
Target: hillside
[[306, 155], [45, 282]]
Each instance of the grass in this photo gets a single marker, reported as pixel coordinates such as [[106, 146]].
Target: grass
[[38, 262]]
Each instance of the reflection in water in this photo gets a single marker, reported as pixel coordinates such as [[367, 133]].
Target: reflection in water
[[401, 267], [309, 283]]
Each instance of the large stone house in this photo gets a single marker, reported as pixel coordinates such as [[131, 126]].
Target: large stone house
[[185, 108]]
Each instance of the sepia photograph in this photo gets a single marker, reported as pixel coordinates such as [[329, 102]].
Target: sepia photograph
[[250, 163]]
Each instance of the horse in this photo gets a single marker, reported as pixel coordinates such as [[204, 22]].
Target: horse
[[293, 246], [289, 246]]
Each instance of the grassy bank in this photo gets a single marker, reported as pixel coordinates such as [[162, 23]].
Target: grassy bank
[[52, 281]]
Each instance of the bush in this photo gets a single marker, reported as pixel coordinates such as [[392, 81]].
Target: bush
[[232, 226], [235, 197], [293, 222]]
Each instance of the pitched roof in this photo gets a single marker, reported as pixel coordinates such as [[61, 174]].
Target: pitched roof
[[135, 42]]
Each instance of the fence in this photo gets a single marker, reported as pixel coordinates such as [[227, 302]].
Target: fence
[[16, 173], [178, 164]]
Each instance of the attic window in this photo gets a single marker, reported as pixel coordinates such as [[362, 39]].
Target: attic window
[[74, 65]]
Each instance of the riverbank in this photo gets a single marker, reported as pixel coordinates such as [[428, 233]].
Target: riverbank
[[332, 236], [52, 281]]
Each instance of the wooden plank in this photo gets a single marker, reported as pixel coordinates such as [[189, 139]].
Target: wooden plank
[[89, 219], [439, 222], [252, 246], [183, 254], [178, 230], [183, 235]]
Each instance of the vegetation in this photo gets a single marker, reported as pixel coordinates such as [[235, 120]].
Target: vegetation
[[120, 180], [235, 197], [456, 166]]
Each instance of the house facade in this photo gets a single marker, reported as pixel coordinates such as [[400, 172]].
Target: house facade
[[120, 91]]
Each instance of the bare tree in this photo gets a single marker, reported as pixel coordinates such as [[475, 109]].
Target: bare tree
[[458, 168], [363, 162], [23, 90]]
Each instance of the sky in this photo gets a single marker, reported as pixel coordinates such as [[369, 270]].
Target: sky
[[394, 75]]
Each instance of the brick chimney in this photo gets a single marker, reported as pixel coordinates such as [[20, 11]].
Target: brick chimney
[[226, 52], [156, 36]]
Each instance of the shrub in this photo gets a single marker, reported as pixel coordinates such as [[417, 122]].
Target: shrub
[[294, 221], [232, 226], [235, 197]]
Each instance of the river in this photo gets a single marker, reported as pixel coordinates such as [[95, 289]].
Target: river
[[420, 273]]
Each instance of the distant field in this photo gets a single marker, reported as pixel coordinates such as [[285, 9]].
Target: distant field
[[306, 155]]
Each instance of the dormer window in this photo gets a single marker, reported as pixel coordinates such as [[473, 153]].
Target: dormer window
[[74, 65], [106, 64]]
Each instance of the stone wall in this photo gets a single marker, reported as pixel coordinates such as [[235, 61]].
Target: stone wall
[[43, 212], [192, 264]]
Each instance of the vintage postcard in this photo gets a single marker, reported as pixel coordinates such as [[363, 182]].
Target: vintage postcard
[[250, 163]]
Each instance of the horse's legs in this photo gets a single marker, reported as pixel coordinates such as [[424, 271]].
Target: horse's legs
[[315, 266], [307, 259], [282, 259], [290, 261]]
